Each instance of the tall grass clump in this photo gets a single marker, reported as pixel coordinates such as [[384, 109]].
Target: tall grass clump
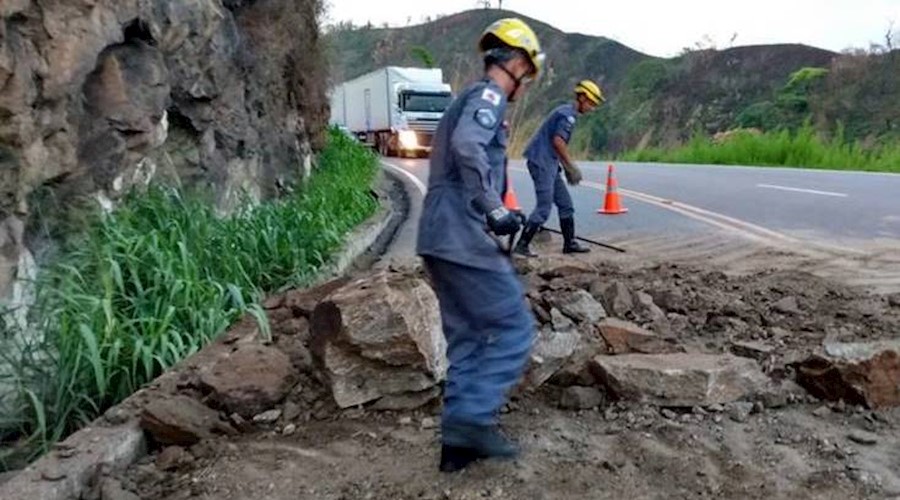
[[803, 148], [158, 278]]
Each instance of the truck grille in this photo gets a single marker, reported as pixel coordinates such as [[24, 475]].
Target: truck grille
[[423, 125]]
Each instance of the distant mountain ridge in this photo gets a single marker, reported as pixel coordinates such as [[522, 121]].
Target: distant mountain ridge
[[652, 101]]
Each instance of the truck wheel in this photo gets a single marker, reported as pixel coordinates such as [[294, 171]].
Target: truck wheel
[[385, 145], [391, 151]]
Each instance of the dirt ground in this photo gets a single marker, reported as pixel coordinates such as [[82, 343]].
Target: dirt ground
[[805, 448], [614, 452]]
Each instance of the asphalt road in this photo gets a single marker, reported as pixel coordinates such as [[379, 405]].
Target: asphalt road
[[846, 209]]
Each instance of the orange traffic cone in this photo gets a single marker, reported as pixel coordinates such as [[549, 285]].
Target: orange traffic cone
[[612, 204], [509, 199]]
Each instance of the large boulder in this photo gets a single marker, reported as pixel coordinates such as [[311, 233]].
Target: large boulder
[[303, 302], [250, 380], [680, 380], [857, 373], [379, 336]]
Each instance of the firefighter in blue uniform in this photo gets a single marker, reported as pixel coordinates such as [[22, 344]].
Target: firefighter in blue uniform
[[486, 321], [547, 156]]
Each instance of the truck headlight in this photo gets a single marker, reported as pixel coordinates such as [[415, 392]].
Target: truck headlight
[[408, 139]]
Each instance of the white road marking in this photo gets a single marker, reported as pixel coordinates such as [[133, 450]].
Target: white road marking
[[415, 180], [810, 171], [801, 190], [722, 221]]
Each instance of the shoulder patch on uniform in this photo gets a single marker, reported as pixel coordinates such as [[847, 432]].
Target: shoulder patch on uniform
[[486, 118], [491, 97], [571, 119]]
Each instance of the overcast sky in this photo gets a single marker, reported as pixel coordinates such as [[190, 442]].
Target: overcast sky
[[664, 27]]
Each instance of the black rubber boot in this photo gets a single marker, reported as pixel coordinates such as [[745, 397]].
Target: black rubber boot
[[454, 459], [523, 246], [465, 443], [567, 227]]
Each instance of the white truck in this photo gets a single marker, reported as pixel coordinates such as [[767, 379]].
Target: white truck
[[395, 110]]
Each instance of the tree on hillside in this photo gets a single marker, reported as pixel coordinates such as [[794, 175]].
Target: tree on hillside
[[790, 108], [423, 55], [704, 44], [890, 37], [341, 26]]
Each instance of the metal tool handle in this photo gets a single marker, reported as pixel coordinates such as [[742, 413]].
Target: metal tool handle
[[507, 247]]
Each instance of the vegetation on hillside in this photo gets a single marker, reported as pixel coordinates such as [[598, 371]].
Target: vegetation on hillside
[[844, 116], [155, 280], [449, 43], [655, 102], [801, 148]]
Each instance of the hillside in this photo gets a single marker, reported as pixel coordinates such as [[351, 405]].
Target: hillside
[[664, 101], [451, 42], [652, 101]]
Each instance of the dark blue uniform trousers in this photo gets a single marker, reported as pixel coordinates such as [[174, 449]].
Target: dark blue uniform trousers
[[489, 331], [549, 188]]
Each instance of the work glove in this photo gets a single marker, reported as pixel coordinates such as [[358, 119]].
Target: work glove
[[573, 174], [503, 222]]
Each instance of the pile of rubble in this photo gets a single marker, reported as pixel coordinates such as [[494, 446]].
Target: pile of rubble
[[651, 354], [666, 337], [679, 338]]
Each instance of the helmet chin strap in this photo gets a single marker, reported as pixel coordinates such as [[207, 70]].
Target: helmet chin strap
[[517, 80]]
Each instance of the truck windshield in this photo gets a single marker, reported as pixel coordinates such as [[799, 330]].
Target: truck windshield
[[425, 103]]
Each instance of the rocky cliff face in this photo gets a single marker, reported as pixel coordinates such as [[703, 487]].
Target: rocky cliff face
[[97, 96]]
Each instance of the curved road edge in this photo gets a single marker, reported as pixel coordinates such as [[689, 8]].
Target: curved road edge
[[402, 248]]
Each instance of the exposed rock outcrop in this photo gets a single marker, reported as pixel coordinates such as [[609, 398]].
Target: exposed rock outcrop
[[98, 96]]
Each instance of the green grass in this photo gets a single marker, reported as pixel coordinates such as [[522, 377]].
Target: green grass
[[803, 149], [157, 279]]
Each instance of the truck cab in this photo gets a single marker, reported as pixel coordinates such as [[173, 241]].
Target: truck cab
[[419, 109]]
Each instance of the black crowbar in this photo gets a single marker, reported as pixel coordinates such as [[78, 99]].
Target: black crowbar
[[586, 240]]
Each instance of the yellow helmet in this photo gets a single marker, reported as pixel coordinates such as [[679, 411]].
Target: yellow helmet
[[513, 32], [590, 90]]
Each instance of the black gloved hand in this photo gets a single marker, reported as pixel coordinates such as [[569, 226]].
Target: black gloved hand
[[503, 222]]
